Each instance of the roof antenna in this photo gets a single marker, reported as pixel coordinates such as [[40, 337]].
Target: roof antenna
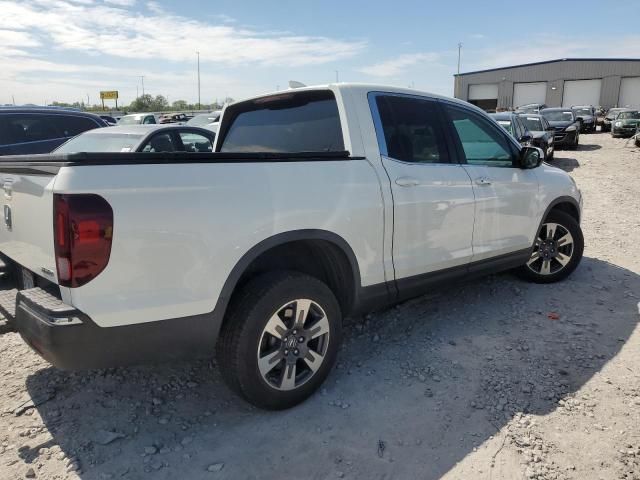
[[294, 84]]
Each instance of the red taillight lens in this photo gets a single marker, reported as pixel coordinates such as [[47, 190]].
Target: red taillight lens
[[83, 230]]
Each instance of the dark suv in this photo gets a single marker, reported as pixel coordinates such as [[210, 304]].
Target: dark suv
[[29, 130]]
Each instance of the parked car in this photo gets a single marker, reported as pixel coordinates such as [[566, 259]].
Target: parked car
[[32, 130], [587, 117], [542, 133], [531, 108], [173, 118], [566, 125], [142, 138], [268, 243], [626, 123], [512, 123], [610, 117], [204, 119], [139, 119]]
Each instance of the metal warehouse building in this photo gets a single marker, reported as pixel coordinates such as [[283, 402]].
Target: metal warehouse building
[[606, 82]]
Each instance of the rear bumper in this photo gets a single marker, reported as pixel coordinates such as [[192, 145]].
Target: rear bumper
[[69, 339]]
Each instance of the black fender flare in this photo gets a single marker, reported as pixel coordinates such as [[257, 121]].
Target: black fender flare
[[268, 243]]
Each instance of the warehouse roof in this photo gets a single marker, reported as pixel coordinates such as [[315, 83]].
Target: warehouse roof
[[552, 61]]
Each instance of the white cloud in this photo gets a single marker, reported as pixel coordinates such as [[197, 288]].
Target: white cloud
[[119, 32], [121, 3], [396, 66]]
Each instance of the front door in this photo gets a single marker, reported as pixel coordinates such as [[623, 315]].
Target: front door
[[433, 203], [506, 195]]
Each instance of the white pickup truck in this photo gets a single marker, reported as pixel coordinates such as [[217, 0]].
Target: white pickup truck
[[317, 203]]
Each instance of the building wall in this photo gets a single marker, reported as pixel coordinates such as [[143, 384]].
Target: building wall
[[555, 74]]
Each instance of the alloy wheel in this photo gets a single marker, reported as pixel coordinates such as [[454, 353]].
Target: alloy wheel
[[293, 344], [552, 251]]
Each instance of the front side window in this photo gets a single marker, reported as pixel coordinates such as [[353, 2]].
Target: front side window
[[194, 142], [72, 126], [482, 142], [412, 129], [284, 123]]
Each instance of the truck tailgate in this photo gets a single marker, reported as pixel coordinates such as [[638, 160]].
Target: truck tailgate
[[26, 233]]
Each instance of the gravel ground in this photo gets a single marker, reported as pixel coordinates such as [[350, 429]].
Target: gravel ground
[[494, 379]]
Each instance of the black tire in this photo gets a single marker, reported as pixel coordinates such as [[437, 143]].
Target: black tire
[[243, 331], [573, 227]]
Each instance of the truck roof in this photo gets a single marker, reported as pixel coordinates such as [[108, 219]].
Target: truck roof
[[362, 88]]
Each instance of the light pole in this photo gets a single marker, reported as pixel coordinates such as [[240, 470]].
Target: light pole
[[142, 77], [337, 80], [198, 53], [459, 49]]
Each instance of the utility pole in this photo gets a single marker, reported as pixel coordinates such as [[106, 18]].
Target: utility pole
[[459, 49], [198, 53], [87, 100], [142, 77], [137, 93]]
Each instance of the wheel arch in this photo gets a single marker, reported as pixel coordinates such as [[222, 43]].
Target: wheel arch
[[564, 204], [333, 262]]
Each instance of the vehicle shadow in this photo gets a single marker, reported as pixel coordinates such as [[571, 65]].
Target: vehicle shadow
[[587, 147], [417, 388], [565, 163]]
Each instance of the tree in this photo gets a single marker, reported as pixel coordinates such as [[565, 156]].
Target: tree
[[180, 105], [147, 103]]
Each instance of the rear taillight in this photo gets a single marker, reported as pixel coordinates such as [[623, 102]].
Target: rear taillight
[[83, 230]]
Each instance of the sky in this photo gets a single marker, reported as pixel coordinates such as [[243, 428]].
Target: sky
[[70, 50]]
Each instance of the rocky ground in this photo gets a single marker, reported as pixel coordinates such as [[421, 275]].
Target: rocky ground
[[494, 379]]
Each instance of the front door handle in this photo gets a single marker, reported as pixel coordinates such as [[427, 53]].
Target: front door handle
[[407, 182], [483, 181]]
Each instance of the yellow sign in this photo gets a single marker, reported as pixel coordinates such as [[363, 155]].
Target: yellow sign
[[110, 95]]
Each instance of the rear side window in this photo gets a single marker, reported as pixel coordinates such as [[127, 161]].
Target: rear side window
[[23, 128], [291, 122], [72, 126], [412, 129]]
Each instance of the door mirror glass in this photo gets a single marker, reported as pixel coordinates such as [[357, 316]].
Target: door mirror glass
[[531, 157]]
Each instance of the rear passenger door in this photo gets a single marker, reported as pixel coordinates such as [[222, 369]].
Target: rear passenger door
[[433, 204], [506, 196]]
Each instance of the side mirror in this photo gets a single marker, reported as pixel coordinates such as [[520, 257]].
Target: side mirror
[[525, 138], [530, 157], [579, 119]]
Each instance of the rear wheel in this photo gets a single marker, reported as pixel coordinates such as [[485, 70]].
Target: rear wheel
[[280, 339], [557, 250]]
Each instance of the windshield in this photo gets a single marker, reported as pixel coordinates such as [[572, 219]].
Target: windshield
[[100, 142], [200, 120], [613, 113], [130, 120], [558, 115], [629, 116], [507, 125], [533, 124], [582, 111]]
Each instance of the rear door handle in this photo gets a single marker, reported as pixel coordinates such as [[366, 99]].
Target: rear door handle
[[483, 181], [407, 182]]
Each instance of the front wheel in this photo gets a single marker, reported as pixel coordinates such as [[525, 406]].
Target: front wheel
[[557, 250], [280, 339]]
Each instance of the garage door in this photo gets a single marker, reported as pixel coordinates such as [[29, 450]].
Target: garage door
[[630, 92], [581, 92], [526, 93], [484, 95]]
